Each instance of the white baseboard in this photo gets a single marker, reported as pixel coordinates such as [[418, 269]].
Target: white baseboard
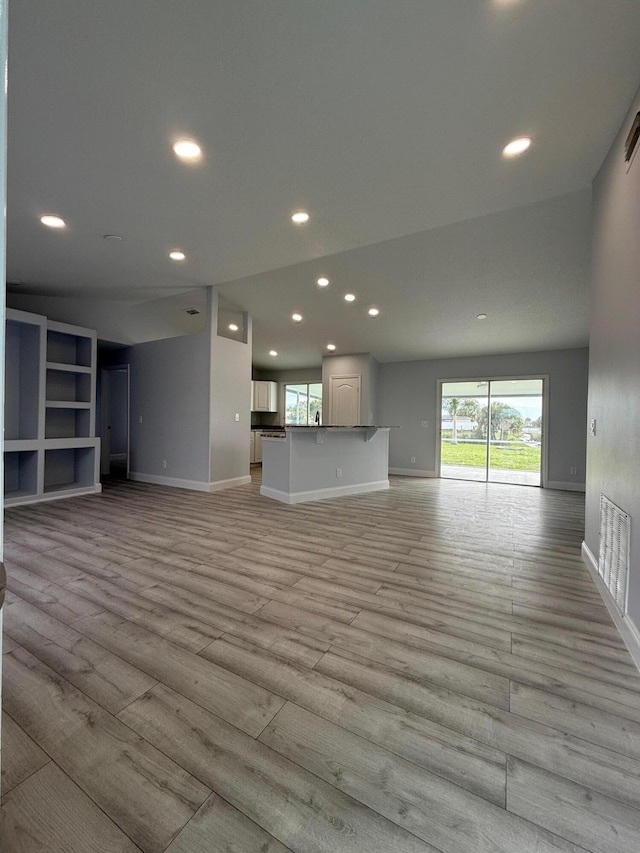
[[412, 472], [321, 494], [628, 629], [565, 487], [218, 485], [194, 485]]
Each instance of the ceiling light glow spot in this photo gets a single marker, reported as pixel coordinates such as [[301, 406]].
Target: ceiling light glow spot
[[53, 221], [188, 150], [516, 146], [331, 347], [349, 297], [373, 312], [297, 318], [323, 281], [273, 352], [177, 255], [233, 327], [482, 316], [300, 217]]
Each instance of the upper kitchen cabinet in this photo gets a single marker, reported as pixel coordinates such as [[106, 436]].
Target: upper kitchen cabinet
[[264, 396]]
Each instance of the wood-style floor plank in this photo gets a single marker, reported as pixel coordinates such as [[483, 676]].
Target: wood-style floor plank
[[461, 759], [21, 756], [246, 705], [218, 827], [49, 814], [125, 776], [355, 674], [403, 793], [602, 769], [589, 819], [109, 680], [296, 807], [282, 641]]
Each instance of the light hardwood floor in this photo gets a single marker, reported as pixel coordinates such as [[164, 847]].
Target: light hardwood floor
[[424, 669]]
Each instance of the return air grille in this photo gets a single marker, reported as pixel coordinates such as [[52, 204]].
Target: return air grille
[[615, 541]]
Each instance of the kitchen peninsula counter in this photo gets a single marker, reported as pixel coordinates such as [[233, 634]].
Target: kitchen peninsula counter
[[310, 463]]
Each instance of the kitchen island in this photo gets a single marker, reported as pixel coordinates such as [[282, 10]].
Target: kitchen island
[[310, 463]]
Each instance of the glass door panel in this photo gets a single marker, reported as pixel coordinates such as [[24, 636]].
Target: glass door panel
[[463, 435], [515, 442], [491, 431]]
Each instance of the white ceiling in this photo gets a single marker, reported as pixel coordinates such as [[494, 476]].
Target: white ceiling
[[384, 118]]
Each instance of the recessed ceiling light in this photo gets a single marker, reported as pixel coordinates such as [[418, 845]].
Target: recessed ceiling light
[[331, 347], [111, 237], [53, 221], [349, 297], [323, 281], [482, 316], [233, 327], [297, 318], [272, 352], [516, 146], [300, 217], [177, 255], [187, 149], [373, 312]]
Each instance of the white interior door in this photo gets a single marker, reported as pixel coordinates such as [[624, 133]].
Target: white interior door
[[345, 400]]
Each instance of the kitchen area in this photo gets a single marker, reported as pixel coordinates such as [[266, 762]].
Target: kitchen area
[[264, 415], [303, 458]]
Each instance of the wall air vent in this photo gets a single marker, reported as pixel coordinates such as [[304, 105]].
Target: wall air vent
[[191, 311], [615, 544]]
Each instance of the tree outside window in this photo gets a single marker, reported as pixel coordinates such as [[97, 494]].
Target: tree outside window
[[303, 402]]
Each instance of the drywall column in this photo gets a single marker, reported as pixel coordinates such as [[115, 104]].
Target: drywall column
[[230, 402], [613, 453]]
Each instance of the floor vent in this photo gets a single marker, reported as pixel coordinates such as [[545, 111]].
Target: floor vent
[[615, 541]]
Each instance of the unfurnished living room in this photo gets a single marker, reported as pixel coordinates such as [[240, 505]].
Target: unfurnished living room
[[320, 426]]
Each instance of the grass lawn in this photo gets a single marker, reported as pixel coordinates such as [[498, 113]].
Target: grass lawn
[[517, 457]]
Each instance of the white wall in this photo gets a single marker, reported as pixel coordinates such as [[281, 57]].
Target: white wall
[[230, 394], [613, 459], [408, 395], [170, 392]]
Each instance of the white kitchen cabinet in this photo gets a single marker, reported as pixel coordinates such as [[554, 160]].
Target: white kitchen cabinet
[[255, 447], [50, 447], [264, 396]]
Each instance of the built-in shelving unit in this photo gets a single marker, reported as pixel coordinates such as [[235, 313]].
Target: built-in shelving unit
[[50, 448]]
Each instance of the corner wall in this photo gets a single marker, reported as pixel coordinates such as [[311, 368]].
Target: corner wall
[[613, 458], [170, 393], [187, 391], [408, 394]]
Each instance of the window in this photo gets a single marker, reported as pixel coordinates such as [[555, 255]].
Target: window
[[303, 403]]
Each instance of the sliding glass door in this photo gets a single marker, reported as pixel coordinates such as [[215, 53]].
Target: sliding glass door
[[491, 431]]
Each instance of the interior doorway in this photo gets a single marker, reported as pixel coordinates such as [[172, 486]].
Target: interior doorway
[[114, 433], [345, 400], [492, 430]]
